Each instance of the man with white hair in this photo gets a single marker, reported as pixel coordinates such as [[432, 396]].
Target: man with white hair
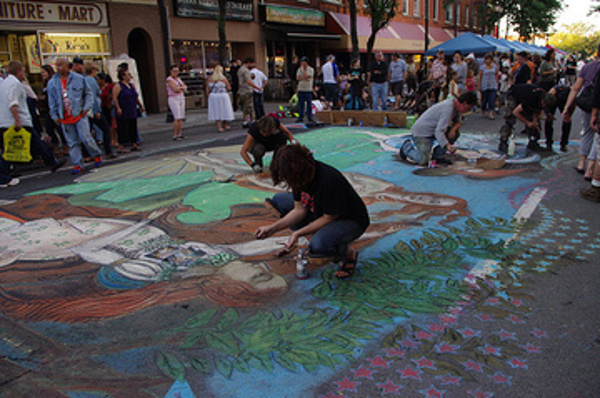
[[331, 75]]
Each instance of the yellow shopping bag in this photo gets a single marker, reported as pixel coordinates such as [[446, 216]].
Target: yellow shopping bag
[[17, 145]]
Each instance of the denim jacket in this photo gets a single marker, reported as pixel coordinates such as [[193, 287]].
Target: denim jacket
[[95, 88], [80, 95]]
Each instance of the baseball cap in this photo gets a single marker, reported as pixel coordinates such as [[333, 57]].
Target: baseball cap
[[304, 59], [470, 56]]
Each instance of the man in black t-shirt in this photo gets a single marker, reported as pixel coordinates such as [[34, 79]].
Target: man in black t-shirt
[[322, 204], [524, 102], [378, 79], [556, 98], [265, 135]]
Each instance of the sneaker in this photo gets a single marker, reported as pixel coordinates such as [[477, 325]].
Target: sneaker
[[592, 194], [11, 183], [58, 165], [76, 170], [97, 161], [503, 147]]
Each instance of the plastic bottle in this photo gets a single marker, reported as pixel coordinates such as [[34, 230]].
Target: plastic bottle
[[511, 145], [350, 121], [385, 121], [301, 263]]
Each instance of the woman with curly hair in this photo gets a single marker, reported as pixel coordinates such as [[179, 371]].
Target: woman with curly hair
[[322, 203]]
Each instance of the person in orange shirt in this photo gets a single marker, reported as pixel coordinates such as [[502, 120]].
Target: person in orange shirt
[[523, 69]]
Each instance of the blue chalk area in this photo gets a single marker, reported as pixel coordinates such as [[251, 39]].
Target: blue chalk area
[[136, 361], [17, 355], [180, 389], [110, 279], [86, 394], [488, 198]]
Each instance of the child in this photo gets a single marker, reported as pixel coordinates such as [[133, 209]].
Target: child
[[470, 81], [453, 90]]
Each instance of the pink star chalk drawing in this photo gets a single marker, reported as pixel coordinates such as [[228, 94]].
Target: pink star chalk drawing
[[468, 332], [436, 327], [471, 365], [531, 348], [378, 361], [449, 379], [433, 392], [395, 352], [445, 347], [501, 378], [422, 335], [517, 363], [515, 319], [539, 333], [489, 350], [408, 343], [346, 385], [448, 320], [409, 372], [363, 372], [485, 317], [390, 387], [480, 394], [424, 363], [504, 335]]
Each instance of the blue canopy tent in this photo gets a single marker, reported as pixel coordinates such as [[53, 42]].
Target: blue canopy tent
[[500, 47], [466, 43]]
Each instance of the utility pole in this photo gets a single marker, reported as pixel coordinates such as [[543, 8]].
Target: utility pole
[[426, 25]]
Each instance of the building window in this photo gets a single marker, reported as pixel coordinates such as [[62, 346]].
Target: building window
[[467, 16], [336, 2], [405, 7], [475, 20], [416, 8], [449, 13], [435, 9], [458, 14]]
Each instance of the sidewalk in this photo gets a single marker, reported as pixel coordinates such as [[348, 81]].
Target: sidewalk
[[198, 117]]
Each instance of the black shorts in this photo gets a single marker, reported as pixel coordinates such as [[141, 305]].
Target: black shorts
[[331, 91], [397, 88]]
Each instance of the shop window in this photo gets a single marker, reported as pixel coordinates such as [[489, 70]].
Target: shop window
[[89, 46], [276, 65], [449, 13], [4, 51]]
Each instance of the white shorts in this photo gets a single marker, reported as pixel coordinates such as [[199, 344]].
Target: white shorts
[[177, 106]]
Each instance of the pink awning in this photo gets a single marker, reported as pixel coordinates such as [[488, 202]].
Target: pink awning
[[363, 26], [439, 34], [407, 31]]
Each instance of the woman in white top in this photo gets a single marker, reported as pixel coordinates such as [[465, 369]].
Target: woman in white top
[[219, 103], [176, 90]]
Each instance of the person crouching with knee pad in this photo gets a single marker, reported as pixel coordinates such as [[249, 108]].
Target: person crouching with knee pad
[[265, 135]]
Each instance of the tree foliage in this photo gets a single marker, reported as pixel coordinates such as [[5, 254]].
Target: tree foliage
[[528, 17], [595, 8], [381, 13], [576, 38]]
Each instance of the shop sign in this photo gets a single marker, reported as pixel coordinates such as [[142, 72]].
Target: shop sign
[[41, 12], [294, 15], [236, 10]]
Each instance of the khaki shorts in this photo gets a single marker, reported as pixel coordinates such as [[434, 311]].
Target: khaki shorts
[[245, 102]]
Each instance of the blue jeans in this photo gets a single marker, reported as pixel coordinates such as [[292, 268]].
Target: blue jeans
[[305, 100], [418, 149], [332, 240], [488, 100], [259, 107], [379, 91], [77, 134]]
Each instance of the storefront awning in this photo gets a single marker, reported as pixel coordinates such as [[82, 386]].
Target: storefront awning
[[397, 36], [302, 33], [439, 35]]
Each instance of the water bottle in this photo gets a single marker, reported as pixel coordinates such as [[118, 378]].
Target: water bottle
[[301, 264], [511, 146], [385, 121], [350, 121]]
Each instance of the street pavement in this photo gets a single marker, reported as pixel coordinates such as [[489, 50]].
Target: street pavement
[[142, 279]]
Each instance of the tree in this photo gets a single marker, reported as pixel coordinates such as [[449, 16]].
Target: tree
[[594, 7], [221, 31], [527, 17], [353, 29], [576, 38], [381, 13]]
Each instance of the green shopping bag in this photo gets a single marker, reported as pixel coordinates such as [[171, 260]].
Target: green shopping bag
[[17, 145]]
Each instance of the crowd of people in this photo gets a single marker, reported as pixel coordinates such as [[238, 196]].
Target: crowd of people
[[82, 111]]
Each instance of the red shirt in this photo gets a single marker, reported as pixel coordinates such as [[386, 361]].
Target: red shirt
[[68, 117]]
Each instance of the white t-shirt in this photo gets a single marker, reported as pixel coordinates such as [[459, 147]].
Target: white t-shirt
[[329, 71], [258, 78], [12, 92]]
